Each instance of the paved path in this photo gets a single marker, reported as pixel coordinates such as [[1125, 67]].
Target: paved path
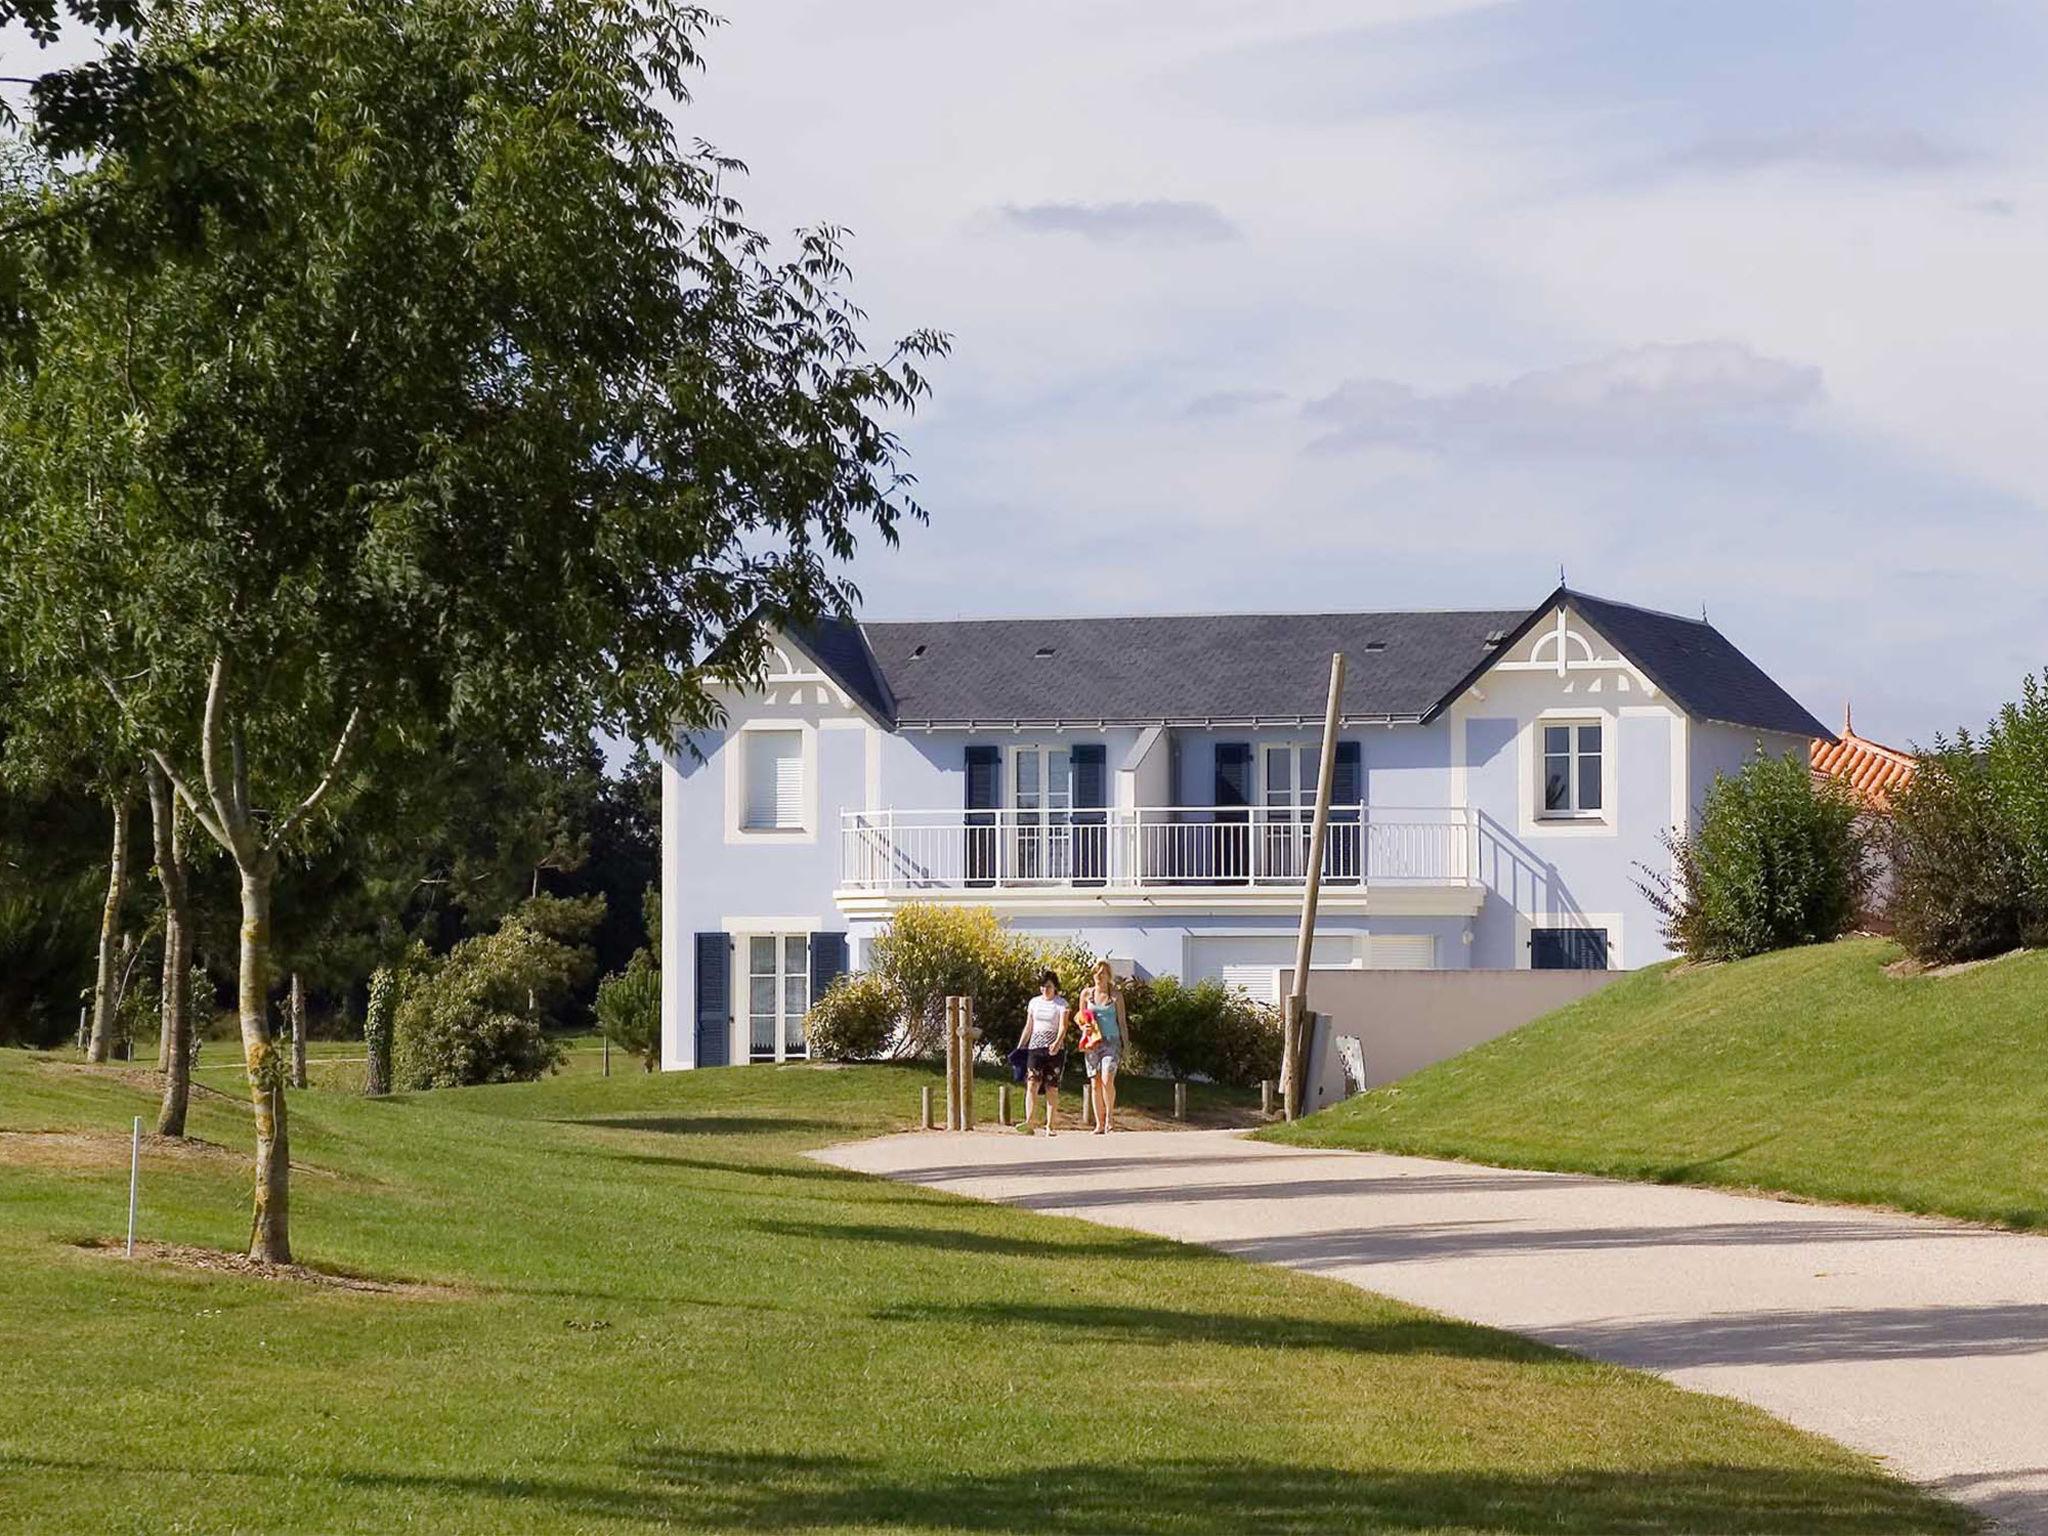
[[1925, 1342]]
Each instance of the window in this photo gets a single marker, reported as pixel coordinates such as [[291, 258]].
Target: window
[[774, 781], [1572, 769], [778, 995]]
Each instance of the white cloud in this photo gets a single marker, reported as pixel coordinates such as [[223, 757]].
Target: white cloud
[[1651, 399], [1149, 222], [1898, 152]]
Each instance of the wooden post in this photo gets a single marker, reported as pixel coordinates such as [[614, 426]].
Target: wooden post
[[607, 1053], [1291, 1045], [969, 1037], [1180, 1101], [1003, 1105], [924, 1107], [298, 1032], [955, 1120], [1087, 1103], [1266, 1098]]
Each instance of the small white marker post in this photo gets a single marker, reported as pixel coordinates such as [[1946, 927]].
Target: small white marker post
[[134, 1176]]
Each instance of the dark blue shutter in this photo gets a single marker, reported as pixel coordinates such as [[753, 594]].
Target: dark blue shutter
[[1091, 821], [984, 797], [714, 1000], [828, 961], [1233, 773], [1233, 795], [1344, 851], [1568, 949]]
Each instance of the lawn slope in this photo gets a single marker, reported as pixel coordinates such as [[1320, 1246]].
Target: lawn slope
[[1810, 1072], [667, 1319]]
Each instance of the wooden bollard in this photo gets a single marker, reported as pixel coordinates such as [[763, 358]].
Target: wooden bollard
[[1087, 1104], [952, 1063], [1180, 1101], [924, 1107], [969, 1036], [1266, 1098], [1003, 1105]]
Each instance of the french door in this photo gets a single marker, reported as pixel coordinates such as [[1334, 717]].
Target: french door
[[778, 995], [1290, 805], [1043, 807]]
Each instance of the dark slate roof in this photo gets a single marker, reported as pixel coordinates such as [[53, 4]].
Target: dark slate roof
[[1230, 668], [1238, 668], [842, 654], [1694, 663]]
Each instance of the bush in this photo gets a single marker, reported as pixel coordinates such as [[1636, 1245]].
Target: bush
[[929, 953], [2016, 766], [475, 1015], [1204, 1030], [629, 1008], [1779, 859], [857, 1018], [1958, 875]]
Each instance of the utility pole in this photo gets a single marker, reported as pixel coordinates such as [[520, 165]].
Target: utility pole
[[1292, 1044]]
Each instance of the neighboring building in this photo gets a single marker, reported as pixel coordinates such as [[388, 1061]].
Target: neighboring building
[[1146, 785], [1875, 771]]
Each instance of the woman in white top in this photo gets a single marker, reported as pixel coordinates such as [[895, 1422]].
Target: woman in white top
[[1045, 1038]]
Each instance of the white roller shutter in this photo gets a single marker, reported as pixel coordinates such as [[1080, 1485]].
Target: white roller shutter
[[775, 779], [1400, 952], [1252, 962]]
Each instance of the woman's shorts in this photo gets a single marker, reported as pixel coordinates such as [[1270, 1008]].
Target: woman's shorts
[[1104, 1058], [1045, 1068]]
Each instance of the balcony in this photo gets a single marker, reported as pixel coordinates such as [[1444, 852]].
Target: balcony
[[1180, 856]]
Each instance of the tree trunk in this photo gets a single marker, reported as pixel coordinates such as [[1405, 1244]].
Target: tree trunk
[[270, 1223], [298, 1032], [103, 998], [174, 1043]]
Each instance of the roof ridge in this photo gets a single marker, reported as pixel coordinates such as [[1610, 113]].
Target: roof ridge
[[1241, 613], [1655, 613]]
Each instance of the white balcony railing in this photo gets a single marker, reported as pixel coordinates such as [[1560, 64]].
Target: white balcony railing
[[1151, 846]]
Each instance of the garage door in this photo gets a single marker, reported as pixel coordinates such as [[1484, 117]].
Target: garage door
[[1253, 962]]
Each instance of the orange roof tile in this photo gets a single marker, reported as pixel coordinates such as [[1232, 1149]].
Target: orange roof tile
[[1876, 772]]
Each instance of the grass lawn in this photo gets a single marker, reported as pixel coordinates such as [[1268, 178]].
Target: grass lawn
[[666, 1318], [1810, 1072]]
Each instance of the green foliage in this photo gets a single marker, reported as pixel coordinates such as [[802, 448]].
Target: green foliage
[[1778, 859], [474, 1016], [857, 1018], [2016, 766], [1969, 839], [931, 952], [378, 1030], [629, 1009], [1958, 877], [1204, 1030]]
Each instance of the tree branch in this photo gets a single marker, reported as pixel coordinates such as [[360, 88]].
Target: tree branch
[[311, 803], [213, 827], [219, 788]]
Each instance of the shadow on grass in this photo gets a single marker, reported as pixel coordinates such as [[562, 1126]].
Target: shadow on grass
[[959, 1240], [675, 1489], [766, 1492], [708, 1125], [1408, 1335]]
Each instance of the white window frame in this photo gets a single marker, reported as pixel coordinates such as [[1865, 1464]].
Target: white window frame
[[743, 993], [1575, 760], [736, 756]]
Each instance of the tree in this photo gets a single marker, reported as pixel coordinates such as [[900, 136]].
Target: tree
[[448, 392], [1778, 860], [174, 880]]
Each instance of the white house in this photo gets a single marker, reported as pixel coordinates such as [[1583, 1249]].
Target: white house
[[1145, 784]]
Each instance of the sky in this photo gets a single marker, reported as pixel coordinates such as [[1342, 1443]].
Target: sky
[[1362, 304], [1366, 304]]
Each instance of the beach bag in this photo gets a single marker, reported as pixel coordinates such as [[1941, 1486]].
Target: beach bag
[[1020, 1063]]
